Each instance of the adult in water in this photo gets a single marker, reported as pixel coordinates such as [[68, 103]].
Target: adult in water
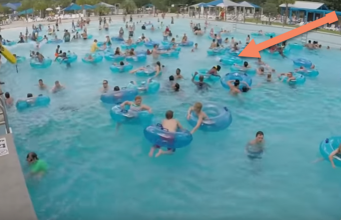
[[157, 68], [201, 85], [42, 85], [171, 125], [105, 87], [178, 74], [37, 167], [255, 147], [57, 87], [234, 86], [197, 110], [94, 46]]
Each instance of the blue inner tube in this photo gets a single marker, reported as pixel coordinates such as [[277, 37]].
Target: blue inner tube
[[137, 58], [207, 77], [242, 77], [219, 118], [38, 65], [127, 116], [302, 62], [96, 58], [112, 57], [121, 69], [231, 60], [159, 136], [309, 72], [235, 68], [55, 41], [327, 146], [117, 97], [33, 102], [300, 79]]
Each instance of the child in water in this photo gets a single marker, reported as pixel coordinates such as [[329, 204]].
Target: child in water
[[37, 166], [197, 110]]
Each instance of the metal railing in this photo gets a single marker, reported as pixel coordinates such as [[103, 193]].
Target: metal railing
[[3, 113]]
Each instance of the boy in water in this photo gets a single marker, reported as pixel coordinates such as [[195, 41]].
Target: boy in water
[[197, 109], [255, 148], [171, 125], [37, 167]]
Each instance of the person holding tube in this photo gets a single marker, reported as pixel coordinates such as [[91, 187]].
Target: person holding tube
[[197, 110]]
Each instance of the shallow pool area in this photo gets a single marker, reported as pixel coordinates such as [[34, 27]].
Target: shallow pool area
[[98, 173]]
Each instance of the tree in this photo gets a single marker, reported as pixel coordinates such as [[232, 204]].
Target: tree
[[26, 4], [102, 10], [61, 3], [128, 6], [270, 7], [286, 2]]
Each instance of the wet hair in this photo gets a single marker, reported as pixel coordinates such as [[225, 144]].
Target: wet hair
[[7, 95], [259, 133], [95, 40], [171, 78], [246, 64], [198, 106], [268, 76], [40, 80], [178, 70], [177, 87], [122, 63], [138, 97], [201, 78], [32, 155], [105, 81], [261, 68], [116, 88], [217, 67], [29, 95], [245, 89], [236, 82], [169, 114], [158, 63]]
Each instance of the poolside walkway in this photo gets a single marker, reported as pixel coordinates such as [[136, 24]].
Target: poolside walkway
[[15, 202]]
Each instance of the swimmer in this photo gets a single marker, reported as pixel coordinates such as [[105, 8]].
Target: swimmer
[[213, 44], [42, 85], [269, 77], [195, 47], [234, 88], [201, 84], [245, 65], [105, 87], [136, 106], [226, 41], [171, 125], [260, 71], [57, 87], [260, 62], [148, 69], [255, 148], [37, 167], [197, 110], [178, 74], [289, 76], [8, 99], [117, 52], [247, 39]]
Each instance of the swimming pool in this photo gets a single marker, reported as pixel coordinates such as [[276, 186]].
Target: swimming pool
[[95, 174]]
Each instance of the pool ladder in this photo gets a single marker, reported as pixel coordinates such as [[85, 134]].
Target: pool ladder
[[3, 116], [304, 38]]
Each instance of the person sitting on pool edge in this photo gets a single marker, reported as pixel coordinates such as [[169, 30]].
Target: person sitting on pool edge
[[37, 166], [171, 125], [234, 88], [290, 77], [255, 148], [197, 109], [201, 84]]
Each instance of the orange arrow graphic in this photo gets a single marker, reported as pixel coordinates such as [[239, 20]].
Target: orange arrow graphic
[[252, 49]]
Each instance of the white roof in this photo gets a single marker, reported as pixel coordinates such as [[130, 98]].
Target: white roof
[[228, 3], [305, 5], [106, 5], [245, 4]]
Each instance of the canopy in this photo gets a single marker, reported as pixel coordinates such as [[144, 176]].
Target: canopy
[[248, 5], [148, 5], [220, 3], [28, 11], [73, 7], [214, 3], [89, 7]]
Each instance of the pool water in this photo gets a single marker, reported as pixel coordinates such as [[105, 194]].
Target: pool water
[[96, 173]]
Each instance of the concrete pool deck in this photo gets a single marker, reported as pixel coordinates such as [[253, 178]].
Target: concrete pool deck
[[15, 202]]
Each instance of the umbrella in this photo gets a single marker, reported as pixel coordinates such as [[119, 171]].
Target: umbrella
[[49, 9], [58, 8], [89, 7]]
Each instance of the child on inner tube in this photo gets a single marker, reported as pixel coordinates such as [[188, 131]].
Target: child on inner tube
[[214, 71]]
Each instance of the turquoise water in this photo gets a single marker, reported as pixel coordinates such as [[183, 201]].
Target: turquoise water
[[95, 174]]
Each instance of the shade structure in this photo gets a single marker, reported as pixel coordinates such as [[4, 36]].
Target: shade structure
[[25, 12], [49, 9], [89, 7], [73, 7], [148, 5]]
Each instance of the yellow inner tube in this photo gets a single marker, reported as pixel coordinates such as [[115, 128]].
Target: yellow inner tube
[[8, 55]]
